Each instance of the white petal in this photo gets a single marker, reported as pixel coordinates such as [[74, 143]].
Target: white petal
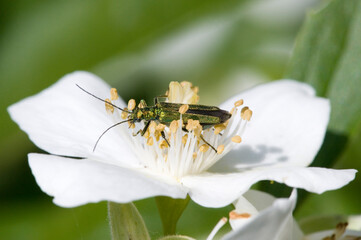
[[64, 120], [260, 200], [243, 206], [287, 127], [218, 190], [75, 182], [272, 222]]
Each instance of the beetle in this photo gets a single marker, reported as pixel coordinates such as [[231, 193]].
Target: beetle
[[165, 113]]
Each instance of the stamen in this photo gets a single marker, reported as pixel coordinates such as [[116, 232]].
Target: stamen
[[150, 141], [238, 103], [218, 226], [185, 84], [340, 229], [113, 94], [131, 125], [248, 114], [163, 144], [185, 138], [109, 108], [183, 109], [236, 139], [232, 110], [219, 128], [234, 215], [146, 134], [173, 126], [139, 114], [160, 127], [157, 135], [141, 104], [194, 155], [131, 104], [204, 148], [220, 149], [124, 115], [194, 125], [152, 127]]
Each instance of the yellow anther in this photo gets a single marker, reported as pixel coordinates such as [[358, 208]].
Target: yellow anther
[[195, 89], [182, 93], [191, 124], [238, 103], [113, 94], [109, 108], [141, 104], [185, 84], [184, 139], [166, 158], [234, 215], [195, 126], [183, 109], [160, 127], [194, 155], [146, 134], [220, 149], [226, 123], [236, 139], [124, 115], [198, 130], [131, 104], [163, 144], [157, 135], [175, 93], [152, 127], [244, 109], [173, 126], [232, 110], [131, 125], [247, 115], [150, 141], [219, 128], [204, 148], [139, 114]]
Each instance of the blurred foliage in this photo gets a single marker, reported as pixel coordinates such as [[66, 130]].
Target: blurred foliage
[[327, 56], [221, 46]]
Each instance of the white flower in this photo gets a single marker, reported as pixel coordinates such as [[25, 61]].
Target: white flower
[[259, 215], [283, 137]]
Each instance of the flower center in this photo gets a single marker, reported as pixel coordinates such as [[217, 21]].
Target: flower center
[[182, 147]]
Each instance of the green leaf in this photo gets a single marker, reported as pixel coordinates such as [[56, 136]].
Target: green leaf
[[314, 224], [327, 56], [170, 210], [126, 222]]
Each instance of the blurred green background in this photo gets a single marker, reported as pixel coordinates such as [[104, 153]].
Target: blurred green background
[[223, 47]]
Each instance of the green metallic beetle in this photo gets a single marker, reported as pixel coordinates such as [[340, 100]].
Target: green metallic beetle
[[165, 113]]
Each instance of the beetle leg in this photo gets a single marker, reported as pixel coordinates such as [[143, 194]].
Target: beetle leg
[[207, 143], [163, 136], [142, 131], [201, 136]]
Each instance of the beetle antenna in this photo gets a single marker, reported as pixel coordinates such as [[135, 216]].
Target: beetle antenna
[[101, 99], [95, 146]]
